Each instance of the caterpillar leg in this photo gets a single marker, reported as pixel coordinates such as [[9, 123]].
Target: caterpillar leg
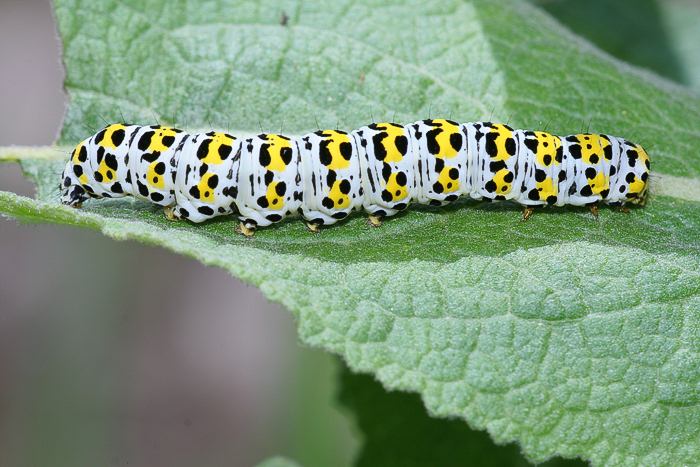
[[527, 212], [315, 228], [245, 230], [375, 221], [594, 210], [619, 207], [169, 213]]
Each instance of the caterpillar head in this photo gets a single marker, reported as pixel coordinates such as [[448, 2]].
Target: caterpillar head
[[74, 184], [72, 192]]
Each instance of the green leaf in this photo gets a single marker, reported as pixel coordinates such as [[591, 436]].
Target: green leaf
[[398, 432], [569, 336], [631, 30], [661, 35]]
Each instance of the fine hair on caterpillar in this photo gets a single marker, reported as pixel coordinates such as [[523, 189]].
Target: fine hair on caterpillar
[[325, 175]]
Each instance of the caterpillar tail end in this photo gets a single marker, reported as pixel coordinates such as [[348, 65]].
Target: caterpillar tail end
[[375, 221], [247, 232]]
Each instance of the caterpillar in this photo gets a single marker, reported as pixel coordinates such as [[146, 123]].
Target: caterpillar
[[325, 175]]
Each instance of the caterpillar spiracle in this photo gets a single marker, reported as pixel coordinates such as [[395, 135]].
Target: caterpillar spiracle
[[325, 175]]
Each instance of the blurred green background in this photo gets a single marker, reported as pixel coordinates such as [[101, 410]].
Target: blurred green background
[[115, 353]]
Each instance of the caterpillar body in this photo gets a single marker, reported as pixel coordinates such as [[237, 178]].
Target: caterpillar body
[[325, 175]]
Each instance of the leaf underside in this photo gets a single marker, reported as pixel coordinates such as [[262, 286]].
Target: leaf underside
[[570, 336]]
